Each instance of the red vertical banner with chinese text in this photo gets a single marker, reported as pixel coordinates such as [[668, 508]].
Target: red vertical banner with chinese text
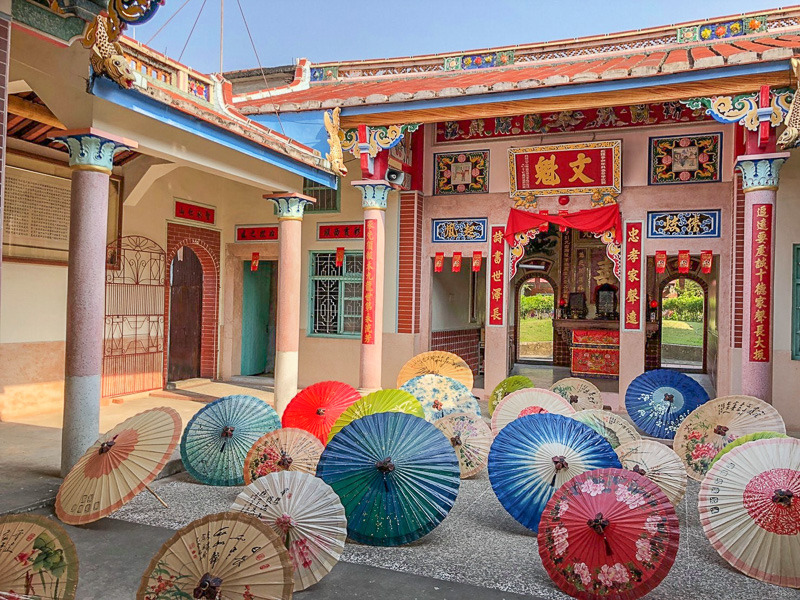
[[476, 261], [684, 261], [497, 261], [661, 261], [761, 283], [456, 266], [632, 298], [370, 267], [438, 262], [254, 261]]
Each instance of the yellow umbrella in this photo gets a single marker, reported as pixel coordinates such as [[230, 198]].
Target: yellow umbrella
[[437, 362], [118, 466], [657, 462], [613, 427], [580, 393], [378, 402], [285, 449], [470, 437], [528, 401], [221, 556]]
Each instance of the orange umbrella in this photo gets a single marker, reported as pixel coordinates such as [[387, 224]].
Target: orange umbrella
[[285, 449], [118, 466], [436, 362]]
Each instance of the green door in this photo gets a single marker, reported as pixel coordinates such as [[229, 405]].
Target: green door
[[258, 319]]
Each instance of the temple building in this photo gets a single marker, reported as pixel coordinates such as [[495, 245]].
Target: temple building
[[162, 224]]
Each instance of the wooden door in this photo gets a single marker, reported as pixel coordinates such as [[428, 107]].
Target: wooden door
[[185, 316], [258, 319]]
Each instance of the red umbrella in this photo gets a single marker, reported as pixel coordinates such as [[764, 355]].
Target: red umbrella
[[608, 533], [317, 407]]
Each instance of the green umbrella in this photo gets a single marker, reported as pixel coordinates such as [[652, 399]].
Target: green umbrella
[[505, 387]]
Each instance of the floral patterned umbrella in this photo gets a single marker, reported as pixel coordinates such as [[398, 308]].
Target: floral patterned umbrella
[[441, 396], [317, 407], [658, 462], [378, 402], [505, 387], [608, 533], [749, 507], [612, 427], [37, 559], [470, 437], [285, 449], [306, 514], [528, 401], [437, 362], [581, 394], [712, 426]]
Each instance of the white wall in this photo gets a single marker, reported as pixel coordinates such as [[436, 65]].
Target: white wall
[[33, 303]]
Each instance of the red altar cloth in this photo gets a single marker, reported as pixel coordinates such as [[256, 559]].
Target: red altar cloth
[[595, 220]]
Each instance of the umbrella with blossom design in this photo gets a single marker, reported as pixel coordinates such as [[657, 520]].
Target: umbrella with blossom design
[[608, 533], [657, 401], [440, 396], [285, 449]]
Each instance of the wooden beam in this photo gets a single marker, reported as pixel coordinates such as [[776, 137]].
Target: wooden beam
[[36, 112], [657, 93]]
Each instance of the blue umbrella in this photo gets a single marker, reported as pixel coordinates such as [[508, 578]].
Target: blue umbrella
[[535, 455], [440, 396], [217, 439], [396, 475], [659, 400]]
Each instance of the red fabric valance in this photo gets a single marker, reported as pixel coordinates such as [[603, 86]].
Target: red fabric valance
[[595, 220]]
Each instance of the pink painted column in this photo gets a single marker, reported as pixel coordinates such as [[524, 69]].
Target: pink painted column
[[91, 155], [374, 195], [760, 179], [287, 335]]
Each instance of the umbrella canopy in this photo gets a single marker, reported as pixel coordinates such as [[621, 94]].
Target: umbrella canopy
[[378, 402], [608, 534], [719, 422], [612, 427], [581, 394], [286, 449], [440, 396], [317, 407], [658, 462], [221, 556], [505, 387], [218, 438], [471, 439], [528, 401], [118, 466], [750, 437], [534, 455], [659, 400], [306, 514], [437, 362], [37, 559], [749, 507], [396, 474]]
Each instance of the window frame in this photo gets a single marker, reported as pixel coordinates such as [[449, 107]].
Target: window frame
[[796, 302], [342, 280], [309, 187]]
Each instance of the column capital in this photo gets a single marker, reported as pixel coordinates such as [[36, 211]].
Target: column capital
[[93, 150], [291, 207], [374, 193], [761, 171]]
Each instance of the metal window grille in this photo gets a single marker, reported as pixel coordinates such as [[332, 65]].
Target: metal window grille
[[327, 198], [336, 294]]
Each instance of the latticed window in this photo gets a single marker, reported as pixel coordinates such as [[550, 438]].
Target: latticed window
[[336, 294], [327, 198]]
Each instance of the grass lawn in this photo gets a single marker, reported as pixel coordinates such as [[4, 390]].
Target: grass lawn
[[682, 333], [536, 330]]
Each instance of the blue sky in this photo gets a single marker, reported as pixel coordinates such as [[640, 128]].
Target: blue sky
[[355, 29]]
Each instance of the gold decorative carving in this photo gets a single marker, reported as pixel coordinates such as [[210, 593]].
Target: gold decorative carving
[[603, 198], [336, 155], [791, 135], [107, 57]]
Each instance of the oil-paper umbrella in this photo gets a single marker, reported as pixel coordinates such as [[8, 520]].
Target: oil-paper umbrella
[[659, 400], [218, 438], [507, 386], [534, 455], [717, 423], [306, 514], [118, 466], [612, 427], [528, 401], [437, 362], [440, 396], [378, 402], [285, 449], [608, 534], [750, 437], [749, 507], [471, 439], [396, 474], [581, 394], [317, 407], [658, 463], [221, 556], [37, 559]]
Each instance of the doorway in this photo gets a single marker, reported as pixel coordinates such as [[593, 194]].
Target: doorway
[[259, 312], [535, 312], [185, 315], [683, 325]]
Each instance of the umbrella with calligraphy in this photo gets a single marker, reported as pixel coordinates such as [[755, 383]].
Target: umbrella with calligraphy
[[528, 401], [437, 362], [613, 427], [37, 559], [217, 439], [658, 462], [749, 507], [582, 394], [712, 426], [471, 439], [659, 400], [221, 556], [507, 386], [750, 437], [608, 533], [440, 396], [285, 449], [306, 514], [534, 455], [378, 402], [118, 466], [317, 407]]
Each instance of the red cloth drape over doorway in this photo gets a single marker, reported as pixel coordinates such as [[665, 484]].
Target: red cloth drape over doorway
[[595, 220]]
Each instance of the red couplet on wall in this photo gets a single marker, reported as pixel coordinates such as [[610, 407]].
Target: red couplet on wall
[[633, 276], [706, 260], [438, 262], [456, 262], [339, 256], [661, 261], [684, 261], [340, 231], [476, 261], [194, 212], [370, 266], [254, 262], [497, 261], [268, 233], [761, 283]]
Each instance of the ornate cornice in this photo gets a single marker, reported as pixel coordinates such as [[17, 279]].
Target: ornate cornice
[[291, 207], [744, 109], [378, 138], [374, 193], [761, 171], [92, 150]]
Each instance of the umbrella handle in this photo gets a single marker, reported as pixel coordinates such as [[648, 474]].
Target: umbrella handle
[[157, 497]]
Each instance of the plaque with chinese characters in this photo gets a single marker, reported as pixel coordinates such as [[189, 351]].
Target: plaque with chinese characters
[[195, 212], [340, 231], [683, 224], [459, 230], [256, 233]]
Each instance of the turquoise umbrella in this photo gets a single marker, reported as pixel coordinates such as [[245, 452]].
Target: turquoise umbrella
[[218, 438], [396, 475]]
